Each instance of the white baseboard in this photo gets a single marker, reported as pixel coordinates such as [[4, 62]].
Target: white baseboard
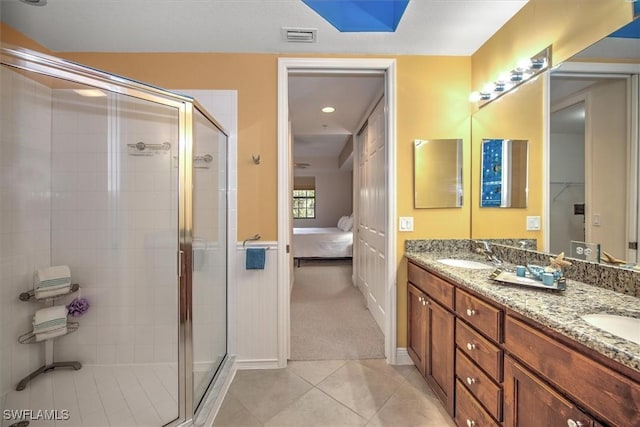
[[257, 364], [402, 357]]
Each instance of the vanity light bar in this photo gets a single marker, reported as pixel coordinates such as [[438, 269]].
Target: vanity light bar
[[524, 70]]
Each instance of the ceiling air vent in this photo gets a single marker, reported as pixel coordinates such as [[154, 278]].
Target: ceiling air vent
[[300, 35]]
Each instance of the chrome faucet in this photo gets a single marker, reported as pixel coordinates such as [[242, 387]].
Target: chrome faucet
[[488, 252]]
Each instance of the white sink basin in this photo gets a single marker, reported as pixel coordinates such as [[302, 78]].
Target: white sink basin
[[622, 326], [464, 263]]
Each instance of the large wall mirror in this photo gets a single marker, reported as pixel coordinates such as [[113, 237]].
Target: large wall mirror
[[593, 146], [585, 183], [437, 172], [504, 173]]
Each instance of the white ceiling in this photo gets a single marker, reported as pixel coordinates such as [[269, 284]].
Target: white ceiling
[[318, 134], [428, 27]]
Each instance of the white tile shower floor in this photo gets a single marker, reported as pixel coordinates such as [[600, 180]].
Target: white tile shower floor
[[134, 395]]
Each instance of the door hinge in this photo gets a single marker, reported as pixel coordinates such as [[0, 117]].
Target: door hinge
[[633, 245], [288, 248]]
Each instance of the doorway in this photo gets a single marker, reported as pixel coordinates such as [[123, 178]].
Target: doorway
[[386, 266], [567, 175], [599, 107]]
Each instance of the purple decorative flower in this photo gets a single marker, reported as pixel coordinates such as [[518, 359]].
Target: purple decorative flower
[[78, 307]]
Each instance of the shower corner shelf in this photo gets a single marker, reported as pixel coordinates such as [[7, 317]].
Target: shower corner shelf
[[30, 337], [30, 295]]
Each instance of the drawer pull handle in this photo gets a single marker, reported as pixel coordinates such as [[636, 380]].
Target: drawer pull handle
[[471, 346], [420, 299], [470, 312], [471, 381], [425, 302], [572, 423], [470, 423]]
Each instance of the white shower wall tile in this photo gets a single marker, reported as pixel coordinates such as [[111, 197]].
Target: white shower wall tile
[[118, 228], [25, 171]]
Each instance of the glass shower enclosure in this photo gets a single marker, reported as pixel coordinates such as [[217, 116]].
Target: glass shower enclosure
[[126, 184]]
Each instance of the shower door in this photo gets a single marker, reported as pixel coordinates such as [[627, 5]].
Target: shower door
[[209, 252]]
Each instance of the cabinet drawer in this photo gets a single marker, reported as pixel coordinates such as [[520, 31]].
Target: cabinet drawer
[[438, 289], [479, 349], [468, 411], [483, 316], [488, 393], [595, 387]]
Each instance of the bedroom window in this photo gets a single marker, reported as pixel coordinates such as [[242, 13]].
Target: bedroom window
[[304, 197]]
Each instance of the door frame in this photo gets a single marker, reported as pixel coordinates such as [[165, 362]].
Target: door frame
[[288, 66]]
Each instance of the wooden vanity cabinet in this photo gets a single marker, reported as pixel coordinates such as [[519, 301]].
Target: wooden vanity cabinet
[[491, 366], [416, 321], [529, 402], [431, 331], [602, 391]]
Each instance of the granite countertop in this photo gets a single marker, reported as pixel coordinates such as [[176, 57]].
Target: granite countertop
[[558, 310]]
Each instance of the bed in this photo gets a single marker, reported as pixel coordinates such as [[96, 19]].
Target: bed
[[331, 242]]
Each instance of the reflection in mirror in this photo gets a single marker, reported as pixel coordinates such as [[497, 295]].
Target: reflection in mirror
[[504, 173], [593, 162], [437, 172], [566, 176]]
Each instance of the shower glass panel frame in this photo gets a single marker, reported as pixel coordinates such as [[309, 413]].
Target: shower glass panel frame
[[187, 108]]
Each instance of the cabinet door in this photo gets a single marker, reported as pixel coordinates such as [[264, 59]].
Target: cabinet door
[[530, 402], [439, 352], [416, 309]]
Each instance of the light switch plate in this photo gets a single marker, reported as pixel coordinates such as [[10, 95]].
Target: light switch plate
[[533, 223], [406, 223]]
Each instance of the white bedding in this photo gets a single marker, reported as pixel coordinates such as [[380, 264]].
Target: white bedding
[[322, 243]]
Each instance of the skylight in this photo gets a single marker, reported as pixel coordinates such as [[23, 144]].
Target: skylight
[[360, 15]]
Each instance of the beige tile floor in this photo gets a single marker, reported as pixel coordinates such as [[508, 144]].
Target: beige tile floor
[[332, 393]]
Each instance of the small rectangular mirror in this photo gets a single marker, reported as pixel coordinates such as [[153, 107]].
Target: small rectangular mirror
[[437, 173], [504, 173]]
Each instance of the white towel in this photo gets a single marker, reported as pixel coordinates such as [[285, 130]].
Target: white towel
[[54, 277], [41, 293], [41, 336], [50, 318]]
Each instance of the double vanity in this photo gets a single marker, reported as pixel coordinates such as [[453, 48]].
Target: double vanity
[[500, 354]]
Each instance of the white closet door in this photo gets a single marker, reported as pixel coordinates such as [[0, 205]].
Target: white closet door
[[371, 236]]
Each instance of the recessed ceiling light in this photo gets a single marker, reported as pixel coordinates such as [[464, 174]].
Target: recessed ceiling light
[[328, 109]]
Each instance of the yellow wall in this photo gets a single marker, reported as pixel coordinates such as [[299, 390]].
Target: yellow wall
[[567, 25], [431, 103]]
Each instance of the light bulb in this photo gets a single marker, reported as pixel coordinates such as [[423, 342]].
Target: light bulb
[[524, 64], [488, 87], [474, 97]]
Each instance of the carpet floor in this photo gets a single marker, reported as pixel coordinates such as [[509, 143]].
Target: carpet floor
[[329, 317]]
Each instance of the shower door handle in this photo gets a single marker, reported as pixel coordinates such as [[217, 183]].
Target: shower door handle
[[180, 262]]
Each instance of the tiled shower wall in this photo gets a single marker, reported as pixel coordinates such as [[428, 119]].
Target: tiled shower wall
[[25, 144], [114, 222]]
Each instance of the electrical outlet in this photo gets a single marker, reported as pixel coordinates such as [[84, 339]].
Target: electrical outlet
[[406, 223], [533, 223]]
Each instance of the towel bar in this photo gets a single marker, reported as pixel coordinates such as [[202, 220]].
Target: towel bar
[[249, 239], [26, 296]]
